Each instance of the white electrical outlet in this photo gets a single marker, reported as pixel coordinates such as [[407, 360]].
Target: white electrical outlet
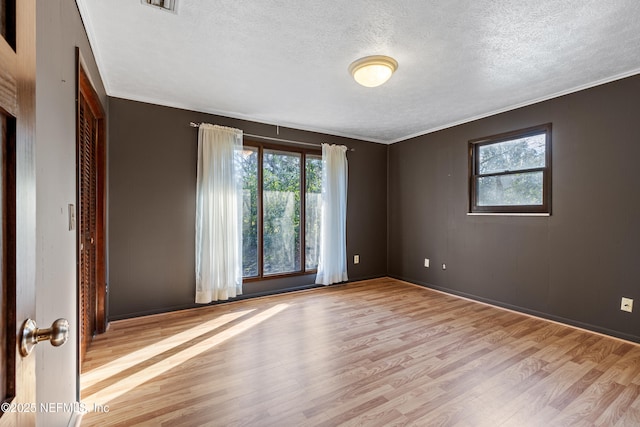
[[444, 266], [356, 259], [426, 262], [626, 304]]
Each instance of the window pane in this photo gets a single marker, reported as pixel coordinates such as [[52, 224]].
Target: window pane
[[510, 190], [312, 211], [249, 160], [281, 199], [513, 155]]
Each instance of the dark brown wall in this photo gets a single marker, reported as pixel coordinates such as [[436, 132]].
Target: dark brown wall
[[152, 179], [573, 266]]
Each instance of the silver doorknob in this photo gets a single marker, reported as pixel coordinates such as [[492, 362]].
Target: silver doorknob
[[57, 334]]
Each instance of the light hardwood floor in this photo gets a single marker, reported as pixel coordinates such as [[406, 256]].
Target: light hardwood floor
[[374, 353]]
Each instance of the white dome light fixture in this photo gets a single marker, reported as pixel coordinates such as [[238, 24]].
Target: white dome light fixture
[[372, 71]]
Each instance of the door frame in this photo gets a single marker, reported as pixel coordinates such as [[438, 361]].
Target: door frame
[[86, 89]]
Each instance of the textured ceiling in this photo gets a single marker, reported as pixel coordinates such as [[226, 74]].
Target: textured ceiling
[[284, 62]]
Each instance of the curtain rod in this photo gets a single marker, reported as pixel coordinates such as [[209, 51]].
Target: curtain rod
[[270, 138]]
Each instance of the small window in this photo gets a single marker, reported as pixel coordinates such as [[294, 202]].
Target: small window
[[511, 172]]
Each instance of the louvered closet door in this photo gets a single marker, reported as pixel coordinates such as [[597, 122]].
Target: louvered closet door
[[87, 224]]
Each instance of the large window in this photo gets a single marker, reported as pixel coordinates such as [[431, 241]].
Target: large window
[[281, 210], [313, 205], [250, 243], [511, 172]]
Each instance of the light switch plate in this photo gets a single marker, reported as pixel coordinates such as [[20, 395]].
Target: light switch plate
[[72, 217]]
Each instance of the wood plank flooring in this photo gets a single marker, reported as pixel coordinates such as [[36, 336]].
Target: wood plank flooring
[[373, 353]]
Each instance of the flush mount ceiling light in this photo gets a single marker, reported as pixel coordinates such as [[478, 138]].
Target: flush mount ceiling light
[[372, 71]]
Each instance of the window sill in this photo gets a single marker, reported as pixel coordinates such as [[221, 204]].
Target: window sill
[[506, 214], [278, 276]]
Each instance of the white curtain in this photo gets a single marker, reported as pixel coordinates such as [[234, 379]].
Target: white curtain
[[218, 214], [332, 265]]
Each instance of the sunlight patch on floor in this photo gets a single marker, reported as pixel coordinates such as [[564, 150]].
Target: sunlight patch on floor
[[123, 363], [127, 384]]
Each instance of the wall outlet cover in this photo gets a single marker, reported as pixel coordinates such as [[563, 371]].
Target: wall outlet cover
[[626, 304]]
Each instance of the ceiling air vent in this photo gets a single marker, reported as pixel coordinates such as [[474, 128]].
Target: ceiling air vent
[[168, 5]]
